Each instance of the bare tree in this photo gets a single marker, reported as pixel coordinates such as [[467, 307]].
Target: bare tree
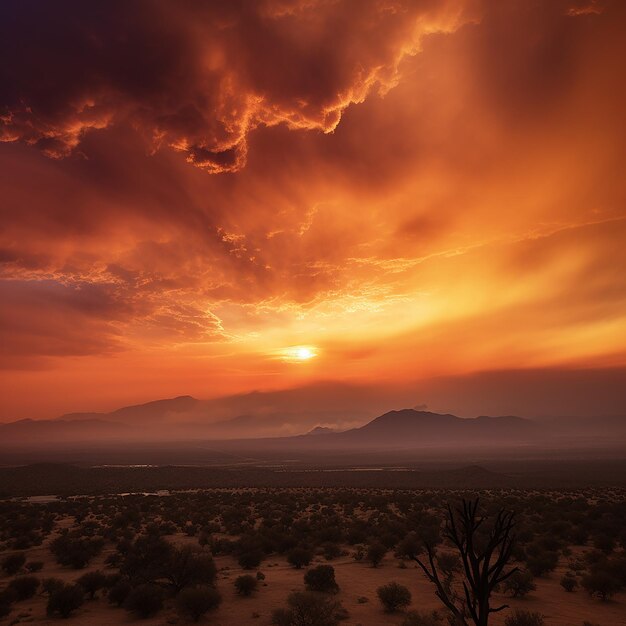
[[483, 559]]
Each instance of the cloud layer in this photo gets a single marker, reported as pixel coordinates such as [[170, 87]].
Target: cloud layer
[[416, 189]]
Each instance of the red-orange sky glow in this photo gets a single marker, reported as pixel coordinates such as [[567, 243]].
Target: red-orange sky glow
[[215, 197]]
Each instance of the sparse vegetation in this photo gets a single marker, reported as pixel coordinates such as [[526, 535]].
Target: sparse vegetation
[[519, 584], [306, 608], [524, 618], [130, 542], [394, 597]]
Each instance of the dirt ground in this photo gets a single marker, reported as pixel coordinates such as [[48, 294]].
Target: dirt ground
[[356, 580]]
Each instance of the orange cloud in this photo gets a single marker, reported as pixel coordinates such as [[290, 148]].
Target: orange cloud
[[198, 76], [414, 189]]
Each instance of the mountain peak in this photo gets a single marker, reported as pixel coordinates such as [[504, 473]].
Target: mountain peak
[[321, 430]]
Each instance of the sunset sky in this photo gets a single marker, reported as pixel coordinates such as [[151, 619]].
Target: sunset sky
[[210, 198]]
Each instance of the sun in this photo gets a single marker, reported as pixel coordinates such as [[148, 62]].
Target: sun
[[303, 353], [298, 354]]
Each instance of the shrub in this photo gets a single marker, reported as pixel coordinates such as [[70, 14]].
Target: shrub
[[601, 585], [331, 551], [569, 583], [6, 600], [246, 585], [144, 600], [92, 582], [394, 596], [24, 587], [65, 599], [260, 576], [75, 552], [542, 563], [519, 584], [251, 558], [305, 608], [416, 618], [48, 585], [119, 592], [13, 563], [409, 547], [448, 563], [524, 618], [299, 557], [194, 602], [605, 543], [375, 553], [321, 578], [359, 553], [34, 566], [146, 559], [187, 567]]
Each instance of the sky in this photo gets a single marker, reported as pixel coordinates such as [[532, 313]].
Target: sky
[[211, 198]]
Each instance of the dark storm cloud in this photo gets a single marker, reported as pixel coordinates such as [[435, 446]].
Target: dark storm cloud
[[198, 76]]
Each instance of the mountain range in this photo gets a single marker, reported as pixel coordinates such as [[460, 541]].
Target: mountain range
[[185, 418]]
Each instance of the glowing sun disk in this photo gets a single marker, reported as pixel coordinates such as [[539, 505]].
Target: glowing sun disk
[[296, 354]]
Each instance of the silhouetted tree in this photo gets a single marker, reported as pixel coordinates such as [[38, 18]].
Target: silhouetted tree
[[483, 559]]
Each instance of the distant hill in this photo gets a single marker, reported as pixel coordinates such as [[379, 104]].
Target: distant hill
[[28, 431], [411, 428], [149, 412], [125, 423]]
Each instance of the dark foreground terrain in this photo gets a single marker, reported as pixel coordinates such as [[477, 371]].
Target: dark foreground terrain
[[69, 479], [298, 548]]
